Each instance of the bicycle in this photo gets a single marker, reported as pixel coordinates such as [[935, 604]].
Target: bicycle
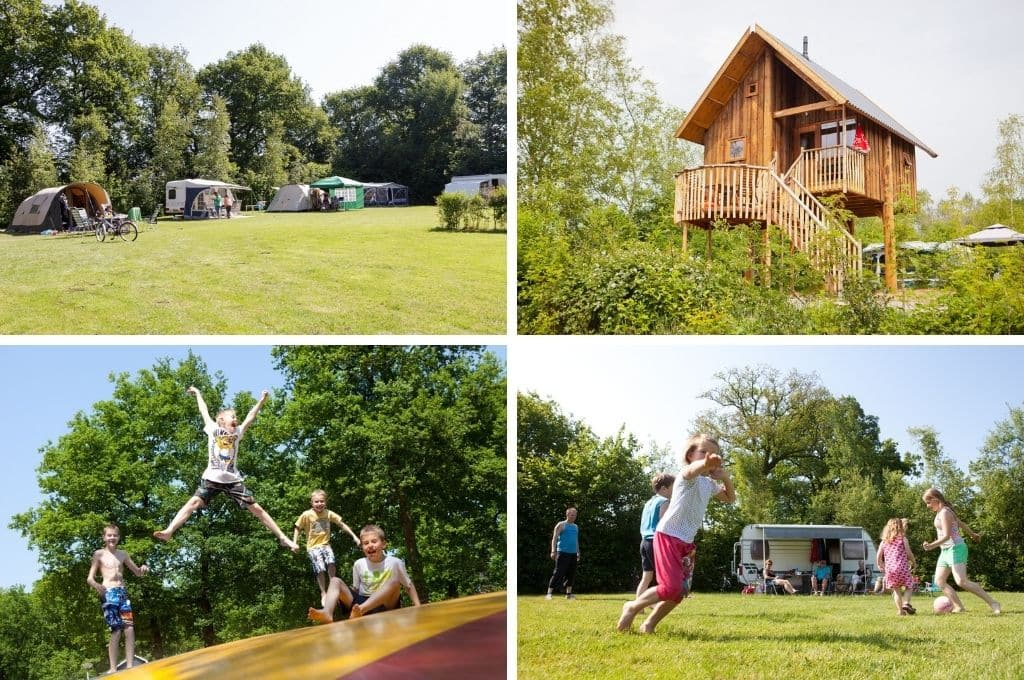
[[106, 226]]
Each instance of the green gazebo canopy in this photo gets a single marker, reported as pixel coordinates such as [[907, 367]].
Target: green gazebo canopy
[[335, 182]]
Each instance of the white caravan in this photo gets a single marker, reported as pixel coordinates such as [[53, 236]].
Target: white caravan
[[793, 547], [175, 193]]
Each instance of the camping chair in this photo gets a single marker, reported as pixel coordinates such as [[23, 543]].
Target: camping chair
[[152, 218], [80, 221]]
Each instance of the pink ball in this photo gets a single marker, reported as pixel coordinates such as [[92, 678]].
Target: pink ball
[[942, 605]]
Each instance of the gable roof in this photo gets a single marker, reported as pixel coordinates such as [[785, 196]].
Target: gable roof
[[716, 95]]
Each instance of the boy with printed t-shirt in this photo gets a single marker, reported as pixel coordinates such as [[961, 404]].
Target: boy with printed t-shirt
[[377, 580], [316, 522], [221, 474]]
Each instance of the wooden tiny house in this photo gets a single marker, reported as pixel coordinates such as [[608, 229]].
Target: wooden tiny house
[[779, 132]]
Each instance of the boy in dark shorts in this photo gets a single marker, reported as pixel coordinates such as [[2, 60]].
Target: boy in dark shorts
[[117, 608], [221, 474], [377, 580]]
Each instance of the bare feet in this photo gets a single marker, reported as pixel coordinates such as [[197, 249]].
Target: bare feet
[[997, 609], [162, 535], [318, 616], [626, 619], [356, 612], [646, 628]]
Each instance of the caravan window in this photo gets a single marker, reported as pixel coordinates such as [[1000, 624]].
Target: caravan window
[[172, 194], [854, 550], [760, 550]]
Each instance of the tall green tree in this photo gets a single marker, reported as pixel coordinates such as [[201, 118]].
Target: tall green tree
[[999, 472], [485, 95], [25, 173], [561, 462], [258, 88], [28, 57], [1004, 188], [390, 431], [213, 143]]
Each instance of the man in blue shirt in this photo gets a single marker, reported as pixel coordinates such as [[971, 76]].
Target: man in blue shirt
[[565, 551]]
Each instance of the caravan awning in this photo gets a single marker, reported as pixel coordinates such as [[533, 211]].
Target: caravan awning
[[809, 532]]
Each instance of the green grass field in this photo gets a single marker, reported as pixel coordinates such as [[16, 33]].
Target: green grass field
[[365, 272], [766, 636]]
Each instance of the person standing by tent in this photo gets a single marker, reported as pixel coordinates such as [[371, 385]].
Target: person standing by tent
[[565, 551], [65, 212], [216, 204], [228, 202]]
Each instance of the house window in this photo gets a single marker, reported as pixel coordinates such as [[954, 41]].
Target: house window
[[830, 132], [737, 149], [751, 89]]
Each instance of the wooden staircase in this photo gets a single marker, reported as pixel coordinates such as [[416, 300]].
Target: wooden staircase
[[749, 193]]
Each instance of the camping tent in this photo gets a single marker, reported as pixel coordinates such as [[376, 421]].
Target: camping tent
[[290, 198], [385, 193], [193, 197], [475, 184], [994, 235], [41, 210], [348, 191]]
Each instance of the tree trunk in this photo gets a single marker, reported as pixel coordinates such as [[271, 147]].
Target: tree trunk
[[208, 633], [409, 536]]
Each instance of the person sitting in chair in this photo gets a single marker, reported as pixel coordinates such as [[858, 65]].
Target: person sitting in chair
[[820, 578], [771, 577]]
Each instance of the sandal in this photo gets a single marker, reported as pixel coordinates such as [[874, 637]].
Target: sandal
[[908, 609]]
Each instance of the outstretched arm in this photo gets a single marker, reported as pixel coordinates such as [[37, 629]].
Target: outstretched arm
[[728, 492], [967, 530], [203, 410], [341, 523], [710, 462], [254, 411]]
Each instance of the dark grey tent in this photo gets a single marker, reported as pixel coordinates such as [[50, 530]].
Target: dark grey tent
[[385, 193], [41, 210]]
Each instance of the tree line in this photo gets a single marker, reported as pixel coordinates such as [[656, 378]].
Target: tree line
[[80, 100], [598, 251], [388, 432], [798, 455]]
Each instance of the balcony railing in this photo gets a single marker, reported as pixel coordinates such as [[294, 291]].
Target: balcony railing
[[828, 170]]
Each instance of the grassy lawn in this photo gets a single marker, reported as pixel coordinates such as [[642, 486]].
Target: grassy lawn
[[766, 636], [365, 272]]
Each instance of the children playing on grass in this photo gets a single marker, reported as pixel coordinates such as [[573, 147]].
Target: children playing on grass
[[117, 608], [377, 582], [316, 522], [895, 559], [953, 558], [674, 549], [222, 474]]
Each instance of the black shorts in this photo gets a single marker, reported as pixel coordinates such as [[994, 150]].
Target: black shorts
[[235, 490], [647, 554], [358, 598]]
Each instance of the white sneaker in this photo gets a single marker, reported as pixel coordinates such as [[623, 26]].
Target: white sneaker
[[548, 596]]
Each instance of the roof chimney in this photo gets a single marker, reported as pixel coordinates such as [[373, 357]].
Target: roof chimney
[[805, 48]]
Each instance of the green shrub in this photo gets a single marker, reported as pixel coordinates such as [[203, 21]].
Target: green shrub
[[451, 208]]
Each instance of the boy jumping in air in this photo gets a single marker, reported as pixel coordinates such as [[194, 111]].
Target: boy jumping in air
[[316, 522], [221, 474]]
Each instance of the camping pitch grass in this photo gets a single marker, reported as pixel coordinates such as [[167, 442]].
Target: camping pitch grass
[[716, 635], [366, 272]]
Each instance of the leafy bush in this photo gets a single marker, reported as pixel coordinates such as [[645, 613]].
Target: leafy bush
[[451, 208]]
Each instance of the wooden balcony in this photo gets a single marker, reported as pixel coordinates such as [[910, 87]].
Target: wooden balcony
[[835, 169], [732, 192]]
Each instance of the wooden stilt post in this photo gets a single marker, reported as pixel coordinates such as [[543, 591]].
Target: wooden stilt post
[[686, 235], [708, 251], [889, 218], [766, 256]]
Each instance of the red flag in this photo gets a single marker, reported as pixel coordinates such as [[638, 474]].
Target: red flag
[[860, 141]]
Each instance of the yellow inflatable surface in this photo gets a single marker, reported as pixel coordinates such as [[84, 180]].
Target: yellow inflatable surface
[[456, 640]]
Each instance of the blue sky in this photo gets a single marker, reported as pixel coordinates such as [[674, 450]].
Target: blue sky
[[947, 71], [651, 385], [330, 45], [44, 386]]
